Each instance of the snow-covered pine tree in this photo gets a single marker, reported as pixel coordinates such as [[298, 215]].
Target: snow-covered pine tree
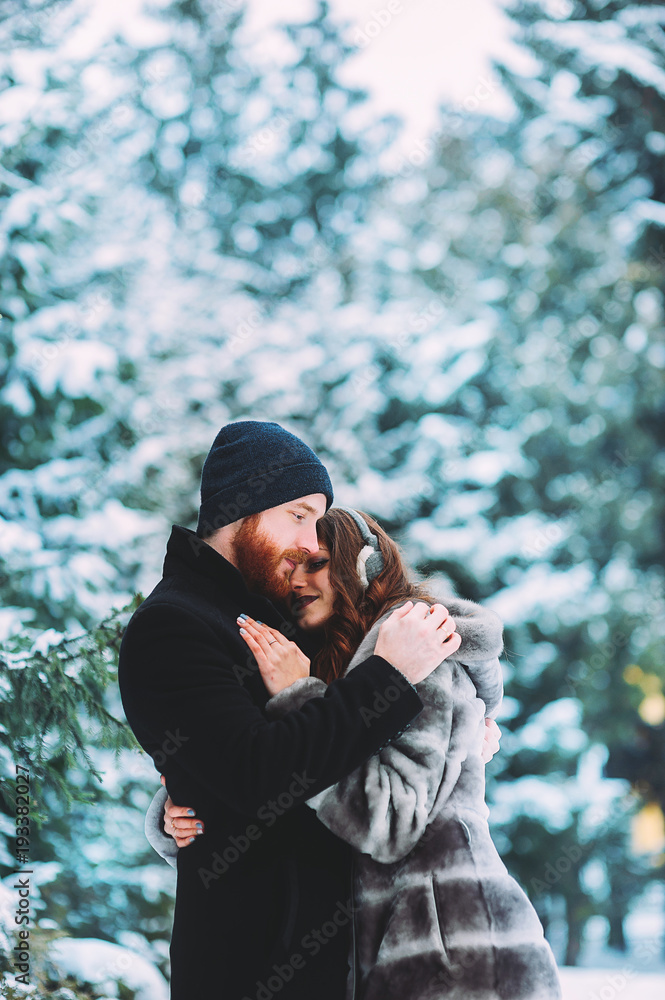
[[162, 196], [496, 404], [148, 207], [596, 139]]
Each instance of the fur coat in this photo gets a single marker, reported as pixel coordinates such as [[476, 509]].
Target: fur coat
[[435, 912]]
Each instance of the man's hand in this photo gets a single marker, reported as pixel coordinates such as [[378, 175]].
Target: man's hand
[[178, 822], [490, 740], [279, 660], [416, 638]]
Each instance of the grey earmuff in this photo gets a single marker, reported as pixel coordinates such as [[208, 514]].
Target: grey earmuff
[[370, 559]]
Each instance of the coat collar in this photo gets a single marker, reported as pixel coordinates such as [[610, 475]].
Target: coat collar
[[187, 553], [185, 550]]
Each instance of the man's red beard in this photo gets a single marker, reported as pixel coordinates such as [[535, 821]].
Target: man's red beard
[[258, 559]]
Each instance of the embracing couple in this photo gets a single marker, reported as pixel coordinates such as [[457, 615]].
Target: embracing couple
[[319, 722]]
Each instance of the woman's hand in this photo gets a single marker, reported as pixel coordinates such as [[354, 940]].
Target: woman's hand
[[491, 739], [178, 822], [280, 661], [416, 638]]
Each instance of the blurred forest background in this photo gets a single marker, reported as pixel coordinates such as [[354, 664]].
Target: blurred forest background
[[471, 337]]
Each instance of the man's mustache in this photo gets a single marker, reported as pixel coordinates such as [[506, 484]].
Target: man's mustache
[[296, 555]]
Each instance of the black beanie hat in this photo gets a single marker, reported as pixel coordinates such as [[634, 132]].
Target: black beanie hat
[[254, 465]]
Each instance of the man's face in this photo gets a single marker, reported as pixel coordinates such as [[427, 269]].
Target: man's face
[[269, 545]]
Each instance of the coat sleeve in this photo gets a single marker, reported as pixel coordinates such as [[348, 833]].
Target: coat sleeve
[[383, 807], [185, 699], [165, 846]]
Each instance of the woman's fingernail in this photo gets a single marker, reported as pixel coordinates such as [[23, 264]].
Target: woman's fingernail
[[190, 812], [241, 618], [258, 622], [191, 840], [199, 826], [243, 631]]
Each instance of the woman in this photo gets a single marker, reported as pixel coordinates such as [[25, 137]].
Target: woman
[[436, 912]]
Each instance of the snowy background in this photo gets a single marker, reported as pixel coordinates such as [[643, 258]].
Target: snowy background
[[204, 217]]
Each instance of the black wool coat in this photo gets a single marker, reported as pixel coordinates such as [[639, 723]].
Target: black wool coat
[[262, 898]]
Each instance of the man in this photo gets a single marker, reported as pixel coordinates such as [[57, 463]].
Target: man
[[263, 900]]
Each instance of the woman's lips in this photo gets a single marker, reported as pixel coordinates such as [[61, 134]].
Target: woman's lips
[[303, 602]]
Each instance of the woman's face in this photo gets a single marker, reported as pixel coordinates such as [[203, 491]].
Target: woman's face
[[311, 597]]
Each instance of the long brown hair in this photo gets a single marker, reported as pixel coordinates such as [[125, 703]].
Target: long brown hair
[[355, 608]]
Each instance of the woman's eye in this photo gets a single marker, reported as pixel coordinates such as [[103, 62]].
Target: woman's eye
[[298, 517], [313, 566]]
